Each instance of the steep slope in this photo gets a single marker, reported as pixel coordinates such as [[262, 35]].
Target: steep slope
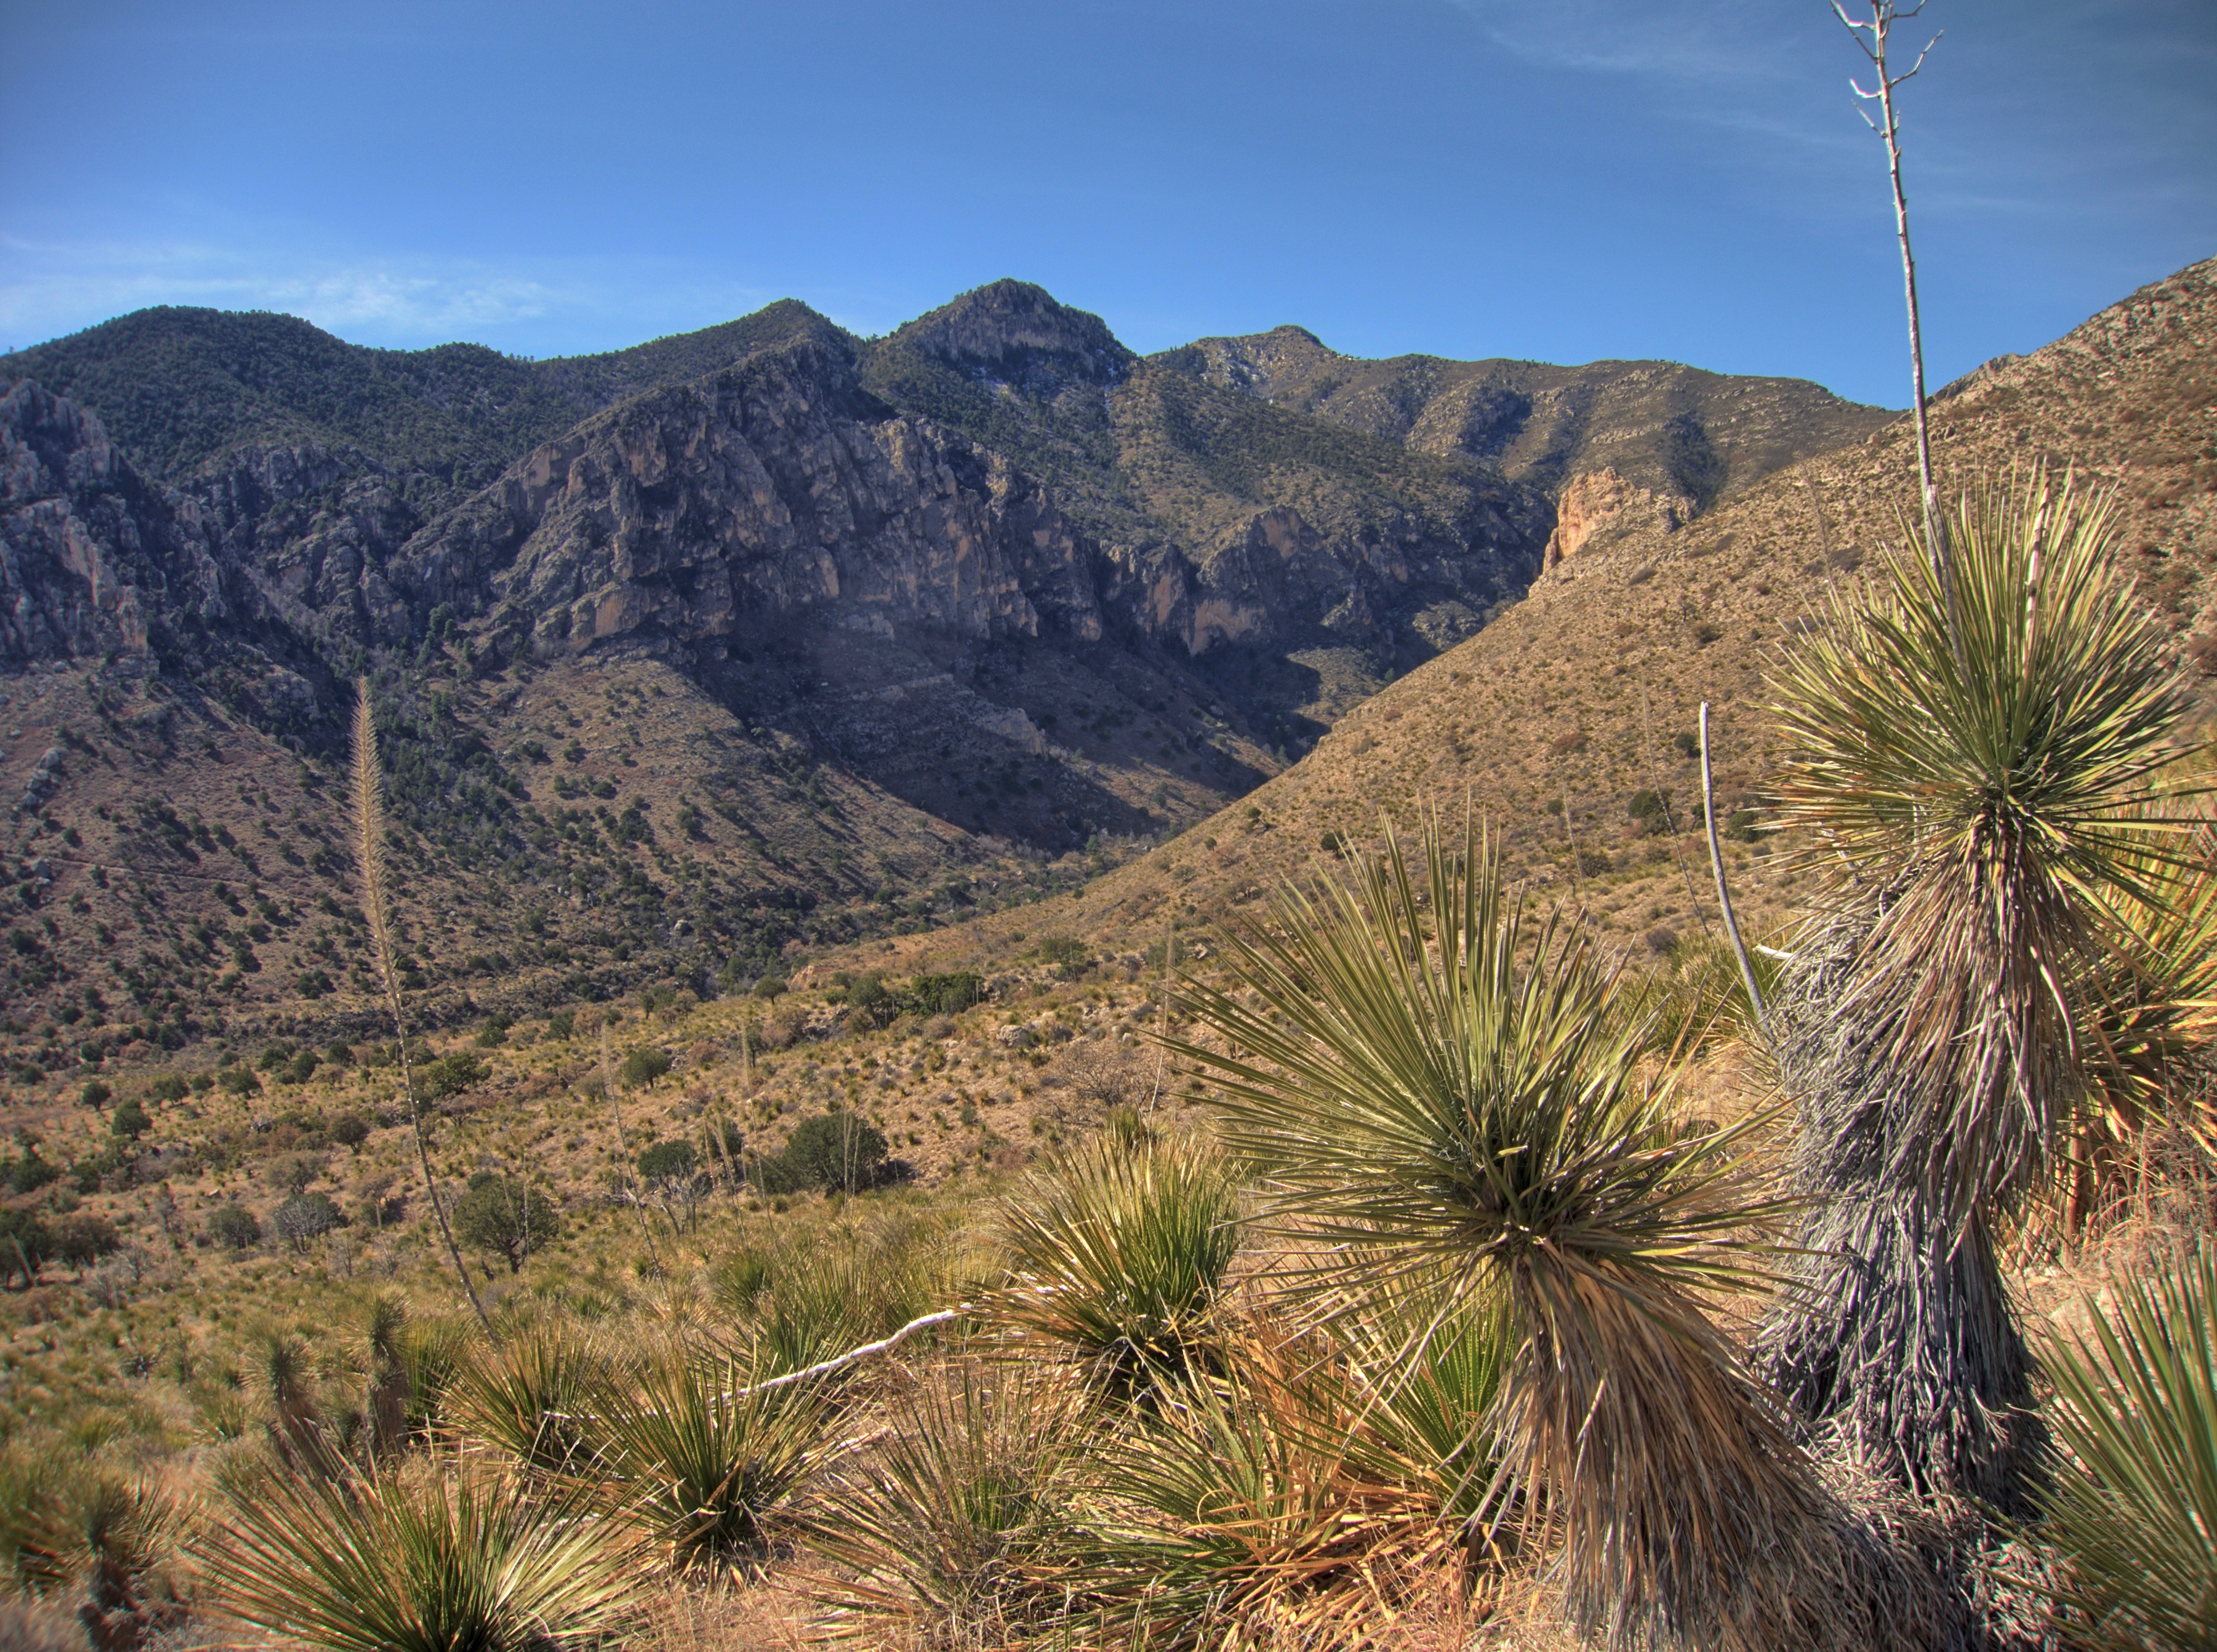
[[1585, 695], [1312, 523]]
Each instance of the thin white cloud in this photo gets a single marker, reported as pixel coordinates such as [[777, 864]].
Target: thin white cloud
[[1694, 41], [50, 287]]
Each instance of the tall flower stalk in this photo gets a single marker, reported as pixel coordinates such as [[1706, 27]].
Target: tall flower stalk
[[370, 848]]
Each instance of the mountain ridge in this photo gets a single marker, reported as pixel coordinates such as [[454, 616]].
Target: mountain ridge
[[744, 661]]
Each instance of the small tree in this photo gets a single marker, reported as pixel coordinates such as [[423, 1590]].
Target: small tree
[[305, 1216], [83, 1237], [671, 1170], [506, 1217], [95, 1095], [129, 1122], [832, 1150], [643, 1067], [234, 1226]]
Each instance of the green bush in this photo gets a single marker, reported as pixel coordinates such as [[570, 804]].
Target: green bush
[[770, 987], [305, 1216], [643, 1067], [506, 1218], [831, 1150], [947, 994], [350, 1129], [25, 1244], [168, 1087], [450, 1075], [234, 1226], [30, 1172], [95, 1095], [668, 1161], [84, 1238], [129, 1122]]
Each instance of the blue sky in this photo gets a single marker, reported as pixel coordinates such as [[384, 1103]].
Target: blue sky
[[1558, 179]]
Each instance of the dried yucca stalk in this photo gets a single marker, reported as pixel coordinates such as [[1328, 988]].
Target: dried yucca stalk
[[369, 849]]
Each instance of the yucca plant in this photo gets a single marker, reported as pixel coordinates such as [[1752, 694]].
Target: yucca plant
[[387, 1387], [431, 1351], [531, 1395], [711, 1467], [1434, 1085], [1118, 1253], [961, 1530], [2149, 1059], [1428, 1360], [1250, 1508], [2132, 1500], [1971, 781], [440, 1556]]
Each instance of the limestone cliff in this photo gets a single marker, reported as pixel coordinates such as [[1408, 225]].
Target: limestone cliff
[[1597, 499], [94, 559]]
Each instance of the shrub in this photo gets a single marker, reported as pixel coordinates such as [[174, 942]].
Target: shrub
[[833, 1150], [562, 1024], [868, 996], [668, 1161], [25, 1244], [350, 1129], [30, 1172], [947, 994], [129, 1122], [167, 1087], [450, 1075], [95, 1095], [1062, 949], [506, 1218], [83, 1237], [239, 1080], [770, 987], [427, 1558], [234, 1226], [643, 1067], [305, 1216]]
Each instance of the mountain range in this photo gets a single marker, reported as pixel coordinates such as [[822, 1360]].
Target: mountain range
[[737, 644]]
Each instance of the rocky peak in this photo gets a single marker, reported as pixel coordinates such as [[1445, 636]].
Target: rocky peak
[[1017, 334], [1255, 362]]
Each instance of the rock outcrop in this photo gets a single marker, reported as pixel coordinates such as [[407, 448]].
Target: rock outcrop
[[94, 559], [775, 492], [1597, 499]]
